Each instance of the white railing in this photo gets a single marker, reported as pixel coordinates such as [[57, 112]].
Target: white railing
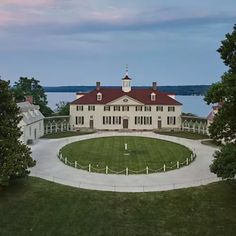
[[147, 170]]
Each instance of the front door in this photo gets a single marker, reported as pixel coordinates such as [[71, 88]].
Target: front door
[[159, 124], [91, 124], [125, 123]]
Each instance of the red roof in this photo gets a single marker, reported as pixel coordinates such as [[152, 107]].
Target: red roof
[[211, 116], [141, 95], [127, 78]]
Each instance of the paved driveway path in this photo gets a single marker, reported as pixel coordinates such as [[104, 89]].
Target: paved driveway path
[[49, 167]]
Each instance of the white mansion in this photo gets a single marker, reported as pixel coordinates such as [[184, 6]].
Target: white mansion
[[125, 108]]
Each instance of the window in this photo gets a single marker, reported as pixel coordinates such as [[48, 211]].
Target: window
[[153, 97], [107, 108], [125, 108], [126, 84], [99, 97], [40, 126], [149, 120], [106, 120], [30, 131], [79, 120], [138, 120], [142, 120], [91, 108], [171, 108], [147, 108], [138, 108], [116, 108], [116, 120], [159, 108], [171, 120], [79, 108]]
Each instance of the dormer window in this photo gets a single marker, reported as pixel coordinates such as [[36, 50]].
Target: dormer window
[[99, 97], [153, 97]]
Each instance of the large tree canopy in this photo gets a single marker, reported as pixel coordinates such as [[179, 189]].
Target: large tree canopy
[[224, 124], [31, 87], [15, 157], [63, 108]]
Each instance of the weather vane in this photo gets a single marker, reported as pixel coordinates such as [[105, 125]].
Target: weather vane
[[127, 69]]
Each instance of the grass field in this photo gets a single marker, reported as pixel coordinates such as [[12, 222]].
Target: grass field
[[109, 151], [210, 143], [66, 134], [182, 134], [38, 207]]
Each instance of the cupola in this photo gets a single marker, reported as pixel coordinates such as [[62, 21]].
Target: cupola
[[126, 82]]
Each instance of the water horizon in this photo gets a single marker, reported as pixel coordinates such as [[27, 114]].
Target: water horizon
[[191, 104]]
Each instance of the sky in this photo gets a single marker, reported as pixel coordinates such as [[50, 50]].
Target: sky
[[79, 42]]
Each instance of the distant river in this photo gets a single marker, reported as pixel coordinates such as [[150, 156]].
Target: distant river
[[192, 104]]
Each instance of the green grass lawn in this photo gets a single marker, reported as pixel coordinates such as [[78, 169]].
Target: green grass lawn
[[38, 207], [109, 151], [66, 134], [210, 142], [182, 134]]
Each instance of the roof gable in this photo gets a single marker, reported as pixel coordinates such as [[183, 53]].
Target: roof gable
[[125, 100], [142, 96]]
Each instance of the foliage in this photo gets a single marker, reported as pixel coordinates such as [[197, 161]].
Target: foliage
[[66, 134], [15, 157], [224, 124], [224, 164], [46, 208], [31, 87], [188, 114], [63, 108]]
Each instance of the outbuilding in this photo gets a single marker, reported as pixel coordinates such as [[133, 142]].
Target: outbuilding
[[31, 124]]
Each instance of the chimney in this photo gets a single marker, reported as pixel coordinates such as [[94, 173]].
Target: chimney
[[154, 85], [98, 85], [29, 99]]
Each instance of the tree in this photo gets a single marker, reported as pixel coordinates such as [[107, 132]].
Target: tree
[[224, 124], [15, 157], [63, 108], [31, 87]]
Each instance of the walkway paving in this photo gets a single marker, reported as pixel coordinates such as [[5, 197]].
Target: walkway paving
[[49, 167]]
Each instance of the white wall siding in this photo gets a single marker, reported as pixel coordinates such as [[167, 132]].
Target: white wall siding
[[97, 117]]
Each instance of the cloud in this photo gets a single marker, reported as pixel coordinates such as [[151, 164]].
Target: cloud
[[25, 3], [69, 23], [101, 23], [70, 16]]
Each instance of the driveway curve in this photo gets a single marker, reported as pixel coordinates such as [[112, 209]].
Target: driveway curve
[[49, 167]]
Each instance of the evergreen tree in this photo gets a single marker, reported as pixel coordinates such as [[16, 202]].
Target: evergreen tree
[[224, 124], [15, 157], [31, 87], [63, 108]]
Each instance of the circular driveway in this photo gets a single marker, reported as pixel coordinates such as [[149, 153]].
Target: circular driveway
[[49, 167]]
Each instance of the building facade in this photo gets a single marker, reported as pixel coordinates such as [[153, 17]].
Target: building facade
[[31, 124], [125, 108]]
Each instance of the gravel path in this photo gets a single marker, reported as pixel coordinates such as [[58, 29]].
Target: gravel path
[[49, 167]]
